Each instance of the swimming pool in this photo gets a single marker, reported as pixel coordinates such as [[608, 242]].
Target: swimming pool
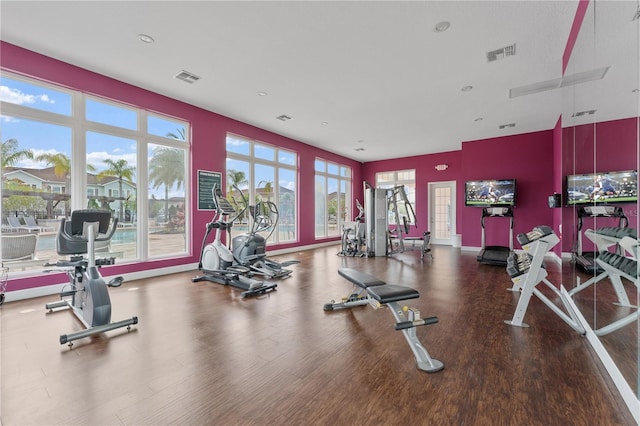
[[122, 235]]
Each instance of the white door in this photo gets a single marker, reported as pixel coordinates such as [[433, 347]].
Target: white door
[[442, 212]]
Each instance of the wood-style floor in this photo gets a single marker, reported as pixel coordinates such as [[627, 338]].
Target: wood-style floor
[[201, 355]]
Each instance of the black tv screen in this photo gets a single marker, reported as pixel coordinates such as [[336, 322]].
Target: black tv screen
[[602, 188], [490, 193]]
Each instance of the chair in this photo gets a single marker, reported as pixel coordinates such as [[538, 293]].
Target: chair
[[19, 250], [31, 223], [15, 224]]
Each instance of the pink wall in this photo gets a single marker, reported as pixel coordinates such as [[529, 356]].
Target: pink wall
[[529, 159], [425, 173], [208, 147]]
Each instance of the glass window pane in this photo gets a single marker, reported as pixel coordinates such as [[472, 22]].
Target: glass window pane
[[112, 178], [264, 152], [160, 126], [332, 206], [287, 205], [345, 202], [238, 175], [34, 96], [287, 157], [320, 210], [321, 166], [345, 171], [265, 189], [36, 182], [110, 114], [237, 145], [167, 210], [332, 168]]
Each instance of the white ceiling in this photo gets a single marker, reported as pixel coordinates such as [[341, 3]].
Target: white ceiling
[[376, 73]]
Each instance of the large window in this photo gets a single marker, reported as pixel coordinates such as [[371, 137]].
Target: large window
[[333, 197], [407, 178], [260, 172], [64, 150]]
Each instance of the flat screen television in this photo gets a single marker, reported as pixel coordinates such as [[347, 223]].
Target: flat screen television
[[490, 193], [602, 188]]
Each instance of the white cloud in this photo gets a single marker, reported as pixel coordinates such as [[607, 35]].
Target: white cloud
[[14, 96]]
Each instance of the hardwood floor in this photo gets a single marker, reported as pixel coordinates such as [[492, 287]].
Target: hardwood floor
[[202, 355]]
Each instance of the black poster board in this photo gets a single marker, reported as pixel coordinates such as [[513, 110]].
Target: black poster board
[[206, 180]]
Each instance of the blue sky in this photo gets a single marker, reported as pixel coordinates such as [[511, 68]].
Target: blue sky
[[49, 138]]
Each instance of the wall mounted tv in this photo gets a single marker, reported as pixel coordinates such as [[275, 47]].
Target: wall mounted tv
[[490, 193], [602, 188]]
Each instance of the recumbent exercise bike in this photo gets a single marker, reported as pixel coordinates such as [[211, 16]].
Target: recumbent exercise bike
[[87, 295]]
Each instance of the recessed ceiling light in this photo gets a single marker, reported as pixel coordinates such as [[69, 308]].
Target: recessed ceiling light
[[442, 26], [466, 88], [324, 123], [478, 119], [145, 38], [635, 90], [262, 93], [283, 117], [359, 149]]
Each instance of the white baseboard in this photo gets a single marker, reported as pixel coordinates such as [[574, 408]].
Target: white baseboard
[[49, 290]]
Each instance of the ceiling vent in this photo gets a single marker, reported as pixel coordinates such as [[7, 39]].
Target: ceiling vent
[[505, 126], [503, 52], [283, 117], [581, 113], [187, 77]]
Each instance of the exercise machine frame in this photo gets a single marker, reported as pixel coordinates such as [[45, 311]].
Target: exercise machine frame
[[87, 296]]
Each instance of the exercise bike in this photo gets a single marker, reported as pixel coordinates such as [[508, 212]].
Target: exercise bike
[[87, 295], [217, 262], [249, 249], [353, 235]]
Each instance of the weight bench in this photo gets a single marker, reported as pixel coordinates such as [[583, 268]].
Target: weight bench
[[375, 292]]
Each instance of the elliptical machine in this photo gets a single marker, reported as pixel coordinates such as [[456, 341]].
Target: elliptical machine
[[87, 295], [353, 235], [250, 249], [217, 262]]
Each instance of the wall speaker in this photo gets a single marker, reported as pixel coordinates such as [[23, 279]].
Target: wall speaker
[[555, 201]]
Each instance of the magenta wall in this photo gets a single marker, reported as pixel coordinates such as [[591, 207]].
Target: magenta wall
[[208, 147], [424, 166], [602, 147], [529, 159]]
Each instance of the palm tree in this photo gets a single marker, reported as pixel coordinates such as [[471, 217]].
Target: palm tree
[[237, 178], [166, 167], [121, 170], [11, 154]]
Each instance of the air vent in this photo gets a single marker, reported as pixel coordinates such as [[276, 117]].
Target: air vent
[[503, 52], [505, 126], [283, 117], [581, 113], [187, 76]]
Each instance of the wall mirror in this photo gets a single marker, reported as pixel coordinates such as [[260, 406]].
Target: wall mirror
[[601, 106]]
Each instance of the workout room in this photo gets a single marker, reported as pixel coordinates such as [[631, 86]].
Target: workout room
[[284, 212]]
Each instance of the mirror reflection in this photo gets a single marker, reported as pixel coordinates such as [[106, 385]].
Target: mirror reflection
[[600, 163]]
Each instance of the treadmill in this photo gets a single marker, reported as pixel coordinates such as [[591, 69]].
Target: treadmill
[[496, 255], [587, 259]]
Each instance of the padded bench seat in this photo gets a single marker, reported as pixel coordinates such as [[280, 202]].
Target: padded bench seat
[[392, 293], [361, 279]]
